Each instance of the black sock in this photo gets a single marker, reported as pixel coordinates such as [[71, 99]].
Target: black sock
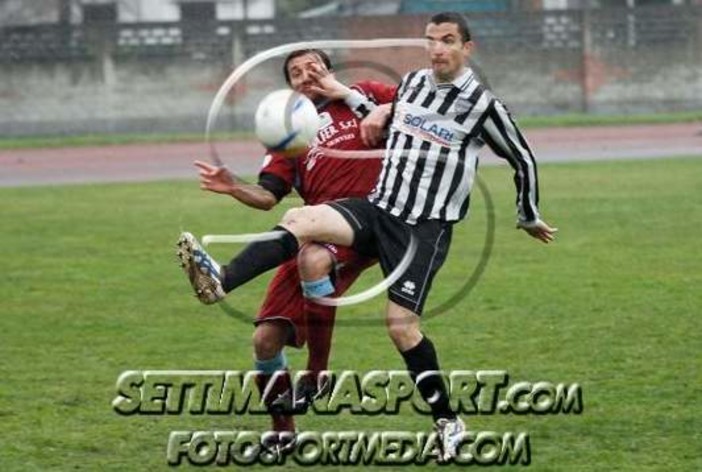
[[422, 358], [257, 258]]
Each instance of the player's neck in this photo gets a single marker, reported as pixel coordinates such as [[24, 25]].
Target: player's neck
[[448, 78]]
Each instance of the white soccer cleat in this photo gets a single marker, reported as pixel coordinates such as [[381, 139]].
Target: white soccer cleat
[[202, 270], [450, 433]]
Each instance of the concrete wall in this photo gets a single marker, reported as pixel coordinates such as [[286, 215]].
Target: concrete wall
[[113, 95]]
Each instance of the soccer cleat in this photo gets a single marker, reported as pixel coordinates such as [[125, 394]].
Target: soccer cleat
[[450, 434], [202, 270]]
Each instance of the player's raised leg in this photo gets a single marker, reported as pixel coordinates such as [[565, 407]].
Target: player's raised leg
[[299, 225]]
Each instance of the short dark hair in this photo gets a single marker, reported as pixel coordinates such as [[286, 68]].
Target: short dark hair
[[301, 52], [455, 18]]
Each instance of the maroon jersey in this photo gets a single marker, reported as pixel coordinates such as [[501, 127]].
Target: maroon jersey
[[319, 178]]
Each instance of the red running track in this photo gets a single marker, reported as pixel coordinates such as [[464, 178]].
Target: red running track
[[150, 162]]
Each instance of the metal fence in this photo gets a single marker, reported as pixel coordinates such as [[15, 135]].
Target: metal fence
[[598, 61], [542, 30]]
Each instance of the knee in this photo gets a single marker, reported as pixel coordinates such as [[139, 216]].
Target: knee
[[300, 216], [302, 222], [314, 262], [268, 341], [292, 215], [400, 333], [403, 328]]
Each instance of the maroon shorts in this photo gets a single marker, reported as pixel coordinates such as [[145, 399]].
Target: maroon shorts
[[284, 299]]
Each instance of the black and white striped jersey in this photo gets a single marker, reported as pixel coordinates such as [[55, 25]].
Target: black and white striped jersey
[[431, 156]]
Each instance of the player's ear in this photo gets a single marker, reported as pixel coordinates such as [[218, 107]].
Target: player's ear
[[468, 48]]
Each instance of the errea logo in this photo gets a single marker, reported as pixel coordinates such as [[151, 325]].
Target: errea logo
[[408, 287]]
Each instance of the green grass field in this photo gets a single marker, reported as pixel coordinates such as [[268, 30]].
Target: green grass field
[[91, 289]]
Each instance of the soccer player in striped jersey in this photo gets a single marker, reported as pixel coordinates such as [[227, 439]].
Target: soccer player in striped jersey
[[287, 317], [440, 118]]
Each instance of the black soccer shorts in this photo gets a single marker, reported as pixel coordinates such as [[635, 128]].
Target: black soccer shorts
[[379, 234]]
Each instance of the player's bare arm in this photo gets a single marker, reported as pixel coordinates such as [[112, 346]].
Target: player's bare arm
[[219, 179], [373, 125]]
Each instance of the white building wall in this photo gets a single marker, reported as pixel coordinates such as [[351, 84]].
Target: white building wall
[[234, 9], [149, 10], [28, 12]]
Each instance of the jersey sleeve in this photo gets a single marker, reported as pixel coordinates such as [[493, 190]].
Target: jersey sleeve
[[366, 95], [277, 175], [501, 133], [379, 92]]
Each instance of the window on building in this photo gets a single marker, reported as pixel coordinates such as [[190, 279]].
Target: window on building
[[198, 11], [100, 13]]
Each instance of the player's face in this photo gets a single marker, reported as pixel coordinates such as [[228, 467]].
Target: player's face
[[447, 51], [301, 70]]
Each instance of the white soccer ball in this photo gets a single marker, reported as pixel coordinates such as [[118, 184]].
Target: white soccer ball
[[286, 122]]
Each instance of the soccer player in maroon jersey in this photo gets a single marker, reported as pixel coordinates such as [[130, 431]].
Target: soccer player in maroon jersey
[[287, 317]]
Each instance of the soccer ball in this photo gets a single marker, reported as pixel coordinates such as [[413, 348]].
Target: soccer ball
[[286, 122]]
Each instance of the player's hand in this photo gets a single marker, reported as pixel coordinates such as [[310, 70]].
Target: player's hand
[[326, 83], [215, 179], [373, 125], [538, 229]]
